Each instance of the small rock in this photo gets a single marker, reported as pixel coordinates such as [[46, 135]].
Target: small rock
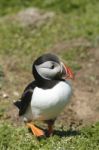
[[5, 95], [15, 93], [89, 65]]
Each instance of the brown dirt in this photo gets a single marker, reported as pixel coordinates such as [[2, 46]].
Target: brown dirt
[[84, 106]]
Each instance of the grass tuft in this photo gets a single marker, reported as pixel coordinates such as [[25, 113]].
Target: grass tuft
[[19, 138]]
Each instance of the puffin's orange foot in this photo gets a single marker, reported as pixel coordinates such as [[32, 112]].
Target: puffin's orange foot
[[36, 131]]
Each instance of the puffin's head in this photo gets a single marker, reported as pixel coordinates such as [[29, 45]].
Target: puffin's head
[[49, 67]]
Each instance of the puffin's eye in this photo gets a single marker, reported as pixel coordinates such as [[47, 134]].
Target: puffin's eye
[[52, 67]]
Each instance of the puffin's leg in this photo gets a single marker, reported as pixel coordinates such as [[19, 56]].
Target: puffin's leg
[[35, 130], [50, 126], [50, 129]]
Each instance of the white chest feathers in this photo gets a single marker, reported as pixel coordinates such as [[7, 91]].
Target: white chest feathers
[[48, 103]]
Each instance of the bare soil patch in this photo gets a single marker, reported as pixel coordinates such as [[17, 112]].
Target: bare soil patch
[[84, 106]]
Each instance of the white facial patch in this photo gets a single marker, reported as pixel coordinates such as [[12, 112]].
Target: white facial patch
[[48, 70]]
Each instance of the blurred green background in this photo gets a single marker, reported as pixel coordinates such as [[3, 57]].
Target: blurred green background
[[70, 29]]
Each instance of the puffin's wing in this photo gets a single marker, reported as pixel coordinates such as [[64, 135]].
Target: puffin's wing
[[25, 99]]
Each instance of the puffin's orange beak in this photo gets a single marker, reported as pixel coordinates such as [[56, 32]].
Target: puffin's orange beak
[[67, 72]]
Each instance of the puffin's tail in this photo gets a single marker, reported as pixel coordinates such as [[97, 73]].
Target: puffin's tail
[[17, 104]]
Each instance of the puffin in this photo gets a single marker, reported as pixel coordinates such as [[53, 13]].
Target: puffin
[[47, 95]]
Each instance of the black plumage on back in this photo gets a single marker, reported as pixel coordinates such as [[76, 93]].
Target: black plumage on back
[[25, 99]]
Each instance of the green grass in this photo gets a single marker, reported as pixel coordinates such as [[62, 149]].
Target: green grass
[[1, 73], [2, 76], [22, 42], [64, 6], [66, 26], [19, 138], [63, 27], [19, 46]]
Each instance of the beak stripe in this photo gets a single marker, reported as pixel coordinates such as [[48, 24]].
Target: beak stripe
[[70, 74]]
